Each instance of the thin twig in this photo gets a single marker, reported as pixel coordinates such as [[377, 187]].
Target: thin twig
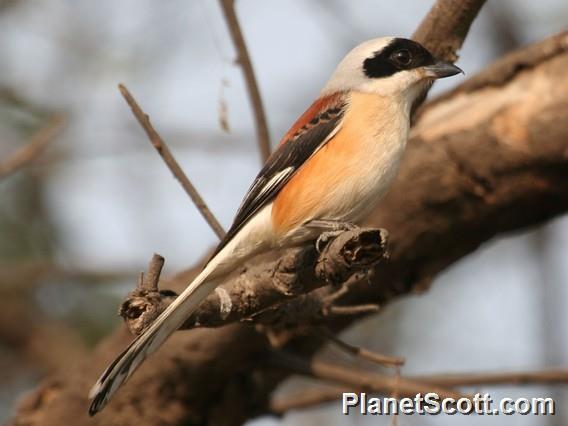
[[23, 275], [305, 399], [332, 298], [243, 59], [368, 308], [330, 308], [313, 397], [507, 378], [360, 379], [394, 420], [30, 151], [171, 162], [363, 353]]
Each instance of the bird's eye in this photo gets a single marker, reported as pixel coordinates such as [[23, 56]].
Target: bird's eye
[[402, 57]]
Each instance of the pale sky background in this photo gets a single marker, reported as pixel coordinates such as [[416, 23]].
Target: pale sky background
[[114, 203]]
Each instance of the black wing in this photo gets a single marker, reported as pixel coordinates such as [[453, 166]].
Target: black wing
[[311, 134]]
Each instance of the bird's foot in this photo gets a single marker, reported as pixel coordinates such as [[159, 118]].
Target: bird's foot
[[330, 230]]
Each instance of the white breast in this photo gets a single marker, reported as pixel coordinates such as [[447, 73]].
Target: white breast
[[380, 139]]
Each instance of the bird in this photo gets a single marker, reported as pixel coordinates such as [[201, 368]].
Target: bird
[[329, 171]]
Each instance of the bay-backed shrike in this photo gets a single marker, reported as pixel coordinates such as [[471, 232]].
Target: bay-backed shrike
[[330, 169]]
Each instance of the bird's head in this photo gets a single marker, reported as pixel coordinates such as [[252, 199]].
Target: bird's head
[[389, 66]]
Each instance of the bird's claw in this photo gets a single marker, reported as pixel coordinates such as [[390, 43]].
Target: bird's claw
[[334, 229]]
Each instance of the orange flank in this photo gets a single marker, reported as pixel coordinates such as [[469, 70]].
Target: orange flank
[[327, 185]]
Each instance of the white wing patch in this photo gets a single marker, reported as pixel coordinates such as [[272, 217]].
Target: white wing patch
[[275, 180]]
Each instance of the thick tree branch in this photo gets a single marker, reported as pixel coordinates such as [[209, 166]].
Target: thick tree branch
[[445, 28], [269, 284]]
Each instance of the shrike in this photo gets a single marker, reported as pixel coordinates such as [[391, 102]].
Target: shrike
[[331, 168]]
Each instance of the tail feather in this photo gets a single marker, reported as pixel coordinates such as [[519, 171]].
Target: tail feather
[[150, 340], [253, 238]]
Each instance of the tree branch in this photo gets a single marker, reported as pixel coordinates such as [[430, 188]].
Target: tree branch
[[25, 274], [31, 151], [306, 399], [256, 294], [321, 395], [243, 59], [445, 28], [496, 379], [171, 162], [361, 379], [362, 353]]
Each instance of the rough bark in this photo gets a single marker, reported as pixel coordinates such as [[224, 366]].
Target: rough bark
[[444, 29], [489, 157], [257, 290]]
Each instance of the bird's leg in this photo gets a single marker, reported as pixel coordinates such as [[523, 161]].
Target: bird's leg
[[329, 230]]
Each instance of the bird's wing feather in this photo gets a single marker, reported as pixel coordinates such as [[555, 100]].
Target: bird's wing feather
[[314, 128]]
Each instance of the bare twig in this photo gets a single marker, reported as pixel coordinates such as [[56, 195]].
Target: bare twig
[[395, 394], [171, 162], [146, 301], [368, 308], [305, 399], [360, 379], [23, 275], [29, 152], [150, 281], [363, 353], [243, 59], [313, 397], [329, 303], [507, 378]]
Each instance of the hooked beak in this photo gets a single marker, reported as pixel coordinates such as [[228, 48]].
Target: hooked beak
[[442, 69]]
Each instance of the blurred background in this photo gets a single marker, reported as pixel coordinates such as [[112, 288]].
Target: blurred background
[[78, 224]]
